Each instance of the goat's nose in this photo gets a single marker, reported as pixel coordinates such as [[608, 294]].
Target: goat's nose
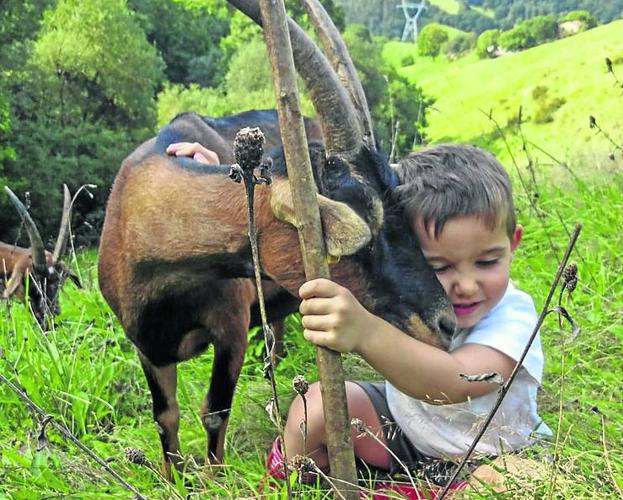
[[446, 324]]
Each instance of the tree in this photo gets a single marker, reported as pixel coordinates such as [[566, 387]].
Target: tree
[[460, 44], [431, 39], [518, 38], [101, 60], [19, 22], [187, 38], [583, 16], [542, 28], [487, 43]]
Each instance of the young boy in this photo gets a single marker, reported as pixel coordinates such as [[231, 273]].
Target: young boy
[[459, 201]]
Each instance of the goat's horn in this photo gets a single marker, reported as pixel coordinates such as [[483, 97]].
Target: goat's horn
[[63, 231], [337, 52], [341, 125], [36, 243]]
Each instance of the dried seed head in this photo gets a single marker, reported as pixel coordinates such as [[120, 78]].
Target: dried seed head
[[609, 64], [303, 465], [592, 122], [249, 147], [135, 456], [570, 277], [359, 425], [300, 385]]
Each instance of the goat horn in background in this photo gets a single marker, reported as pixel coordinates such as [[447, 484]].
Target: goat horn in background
[[36, 243], [63, 231]]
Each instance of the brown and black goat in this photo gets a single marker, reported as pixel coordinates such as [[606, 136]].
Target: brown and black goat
[[175, 259], [40, 272]]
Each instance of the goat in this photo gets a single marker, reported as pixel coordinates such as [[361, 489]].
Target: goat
[[175, 260], [46, 272]]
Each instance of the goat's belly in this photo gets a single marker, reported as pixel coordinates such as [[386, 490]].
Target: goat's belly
[[193, 344]]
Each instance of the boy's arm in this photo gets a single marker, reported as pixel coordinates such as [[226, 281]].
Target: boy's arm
[[333, 318]]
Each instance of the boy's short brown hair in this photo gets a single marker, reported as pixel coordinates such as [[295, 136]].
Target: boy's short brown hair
[[450, 180]]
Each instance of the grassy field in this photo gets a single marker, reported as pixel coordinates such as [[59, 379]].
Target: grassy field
[[557, 85], [86, 375], [450, 6]]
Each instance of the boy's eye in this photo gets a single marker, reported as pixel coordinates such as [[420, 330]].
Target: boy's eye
[[487, 263], [440, 268]]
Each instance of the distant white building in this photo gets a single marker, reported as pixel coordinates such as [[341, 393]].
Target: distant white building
[[569, 28]]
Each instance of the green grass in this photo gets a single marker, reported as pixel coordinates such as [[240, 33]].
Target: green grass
[[468, 90], [450, 6], [87, 376]]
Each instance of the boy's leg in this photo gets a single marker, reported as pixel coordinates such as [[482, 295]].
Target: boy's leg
[[367, 448]]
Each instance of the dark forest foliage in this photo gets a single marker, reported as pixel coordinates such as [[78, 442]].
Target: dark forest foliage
[[79, 82]]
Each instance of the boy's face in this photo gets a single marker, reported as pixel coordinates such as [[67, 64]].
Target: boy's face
[[472, 262]]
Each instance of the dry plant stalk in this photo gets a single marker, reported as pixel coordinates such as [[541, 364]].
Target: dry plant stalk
[[339, 442], [248, 151]]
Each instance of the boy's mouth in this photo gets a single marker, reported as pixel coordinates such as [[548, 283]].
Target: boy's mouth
[[465, 309]]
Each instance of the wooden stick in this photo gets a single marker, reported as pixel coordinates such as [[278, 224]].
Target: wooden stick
[[339, 442]]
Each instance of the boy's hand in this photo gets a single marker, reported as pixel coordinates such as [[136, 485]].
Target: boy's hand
[[195, 151], [332, 316]]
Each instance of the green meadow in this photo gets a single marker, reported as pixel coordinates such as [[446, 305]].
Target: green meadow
[[86, 376], [557, 86]]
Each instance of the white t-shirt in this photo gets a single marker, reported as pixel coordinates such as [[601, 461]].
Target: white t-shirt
[[447, 431]]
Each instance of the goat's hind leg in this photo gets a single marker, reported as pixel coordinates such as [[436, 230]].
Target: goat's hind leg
[[216, 407], [162, 383]]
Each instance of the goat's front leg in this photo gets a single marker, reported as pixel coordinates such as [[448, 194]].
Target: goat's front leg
[[216, 407], [162, 383]]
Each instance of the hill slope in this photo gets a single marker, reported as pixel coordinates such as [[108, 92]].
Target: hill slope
[[571, 83]]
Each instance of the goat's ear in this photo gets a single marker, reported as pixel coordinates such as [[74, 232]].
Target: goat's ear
[[344, 231], [71, 275], [75, 278]]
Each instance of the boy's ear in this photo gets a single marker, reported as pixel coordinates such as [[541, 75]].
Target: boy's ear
[[517, 235]]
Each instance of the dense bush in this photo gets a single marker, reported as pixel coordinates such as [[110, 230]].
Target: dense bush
[[460, 45], [48, 156], [431, 39], [585, 17], [529, 33]]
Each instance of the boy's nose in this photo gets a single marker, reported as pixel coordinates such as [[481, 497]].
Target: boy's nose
[[466, 286]]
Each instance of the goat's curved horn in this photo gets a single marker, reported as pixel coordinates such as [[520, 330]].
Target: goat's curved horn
[[36, 243], [342, 127], [337, 53], [63, 231]]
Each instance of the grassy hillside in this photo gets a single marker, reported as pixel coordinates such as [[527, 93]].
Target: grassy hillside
[[571, 83], [451, 6]]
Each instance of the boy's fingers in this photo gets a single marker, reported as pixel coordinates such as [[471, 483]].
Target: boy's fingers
[[320, 323], [193, 150], [319, 287], [316, 337], [315, 305], [200, 158]]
